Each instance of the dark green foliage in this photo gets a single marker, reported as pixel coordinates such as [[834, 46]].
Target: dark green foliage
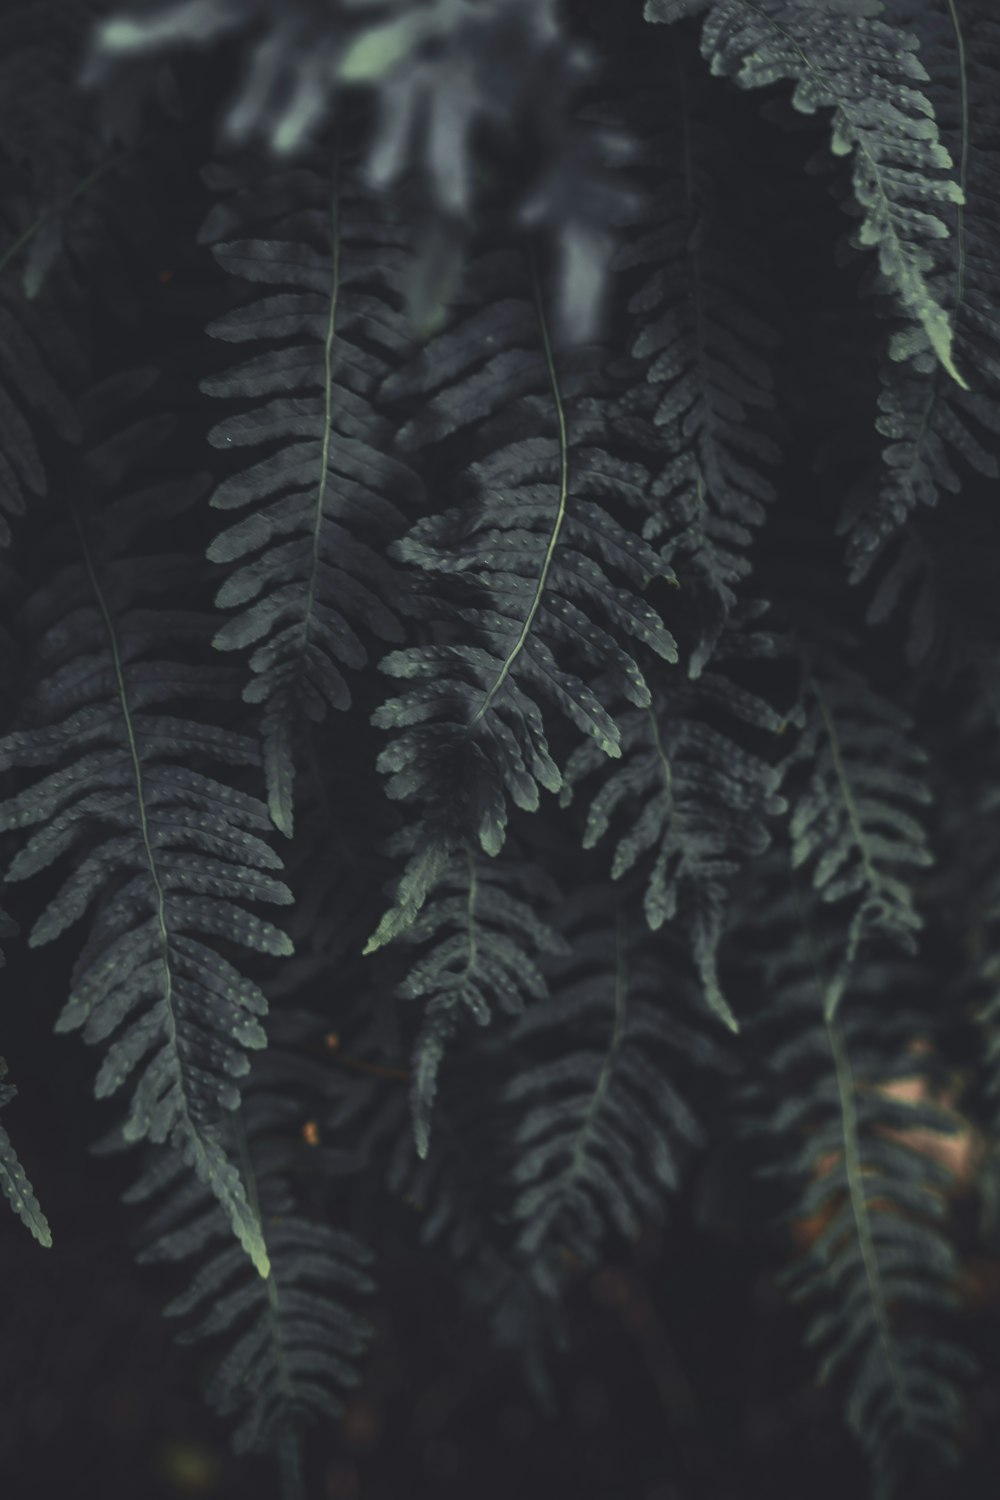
[[453, 477], [856, 787], [294, 1336], [13, 1182], [934, 429], [703, 343], [15, 1185], [698, 800], [601, 1124], [479, 938], [309, 555], [836, 1136], [452, 1187], [841, 56], [970, 823], [173, 854], [532, 553]]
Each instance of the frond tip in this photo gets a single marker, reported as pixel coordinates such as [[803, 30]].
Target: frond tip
[[13, 1181], [294, 1337], [175, 861], [843, 58], [480, 939]]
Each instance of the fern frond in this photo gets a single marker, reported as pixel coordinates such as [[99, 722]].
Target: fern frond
[[696, 800], [460, 1194], [453, 1189], [702, 340], [480, 938], [879, 1276], [307, 564], [293, 1337], [937, 434], [603, 1121], [844, 58], [13, 1181], [968, 893], [674, 10], [169, 857], [856, 785], [524, 564]]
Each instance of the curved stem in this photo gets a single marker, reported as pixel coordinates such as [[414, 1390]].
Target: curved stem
[[560, 516]]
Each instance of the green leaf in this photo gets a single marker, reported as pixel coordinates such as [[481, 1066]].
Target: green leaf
[[14, 1182], [378, 49]]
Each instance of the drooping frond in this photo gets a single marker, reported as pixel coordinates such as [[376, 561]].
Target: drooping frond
[[558, 1132], [38, 360], [521, 578], [49, 131], [855, 781], [479, 941], [970, 838], [460, 1195], [702, 341], [13, 1180], [841, 56], [452, 1189], [603, 1118], [696, 800], [835, 1102], [293, 1337], [307, 562], [166, 858], [936, 434]]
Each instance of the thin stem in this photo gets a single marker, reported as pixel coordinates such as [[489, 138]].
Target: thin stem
[[560, 516], [963, 168], [290, 1458]]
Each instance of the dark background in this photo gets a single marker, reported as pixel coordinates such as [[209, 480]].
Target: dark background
[[686, 1376]]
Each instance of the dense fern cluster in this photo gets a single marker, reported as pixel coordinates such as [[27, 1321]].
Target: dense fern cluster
[[498, 661]]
